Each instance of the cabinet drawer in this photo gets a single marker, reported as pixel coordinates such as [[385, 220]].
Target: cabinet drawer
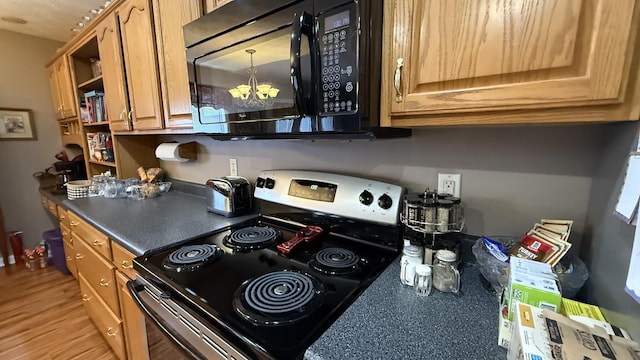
[[94, 238], [108, 323], [98, 272], [63, 216], [66, 233], [69, 256], [52, 207], [123, 260]]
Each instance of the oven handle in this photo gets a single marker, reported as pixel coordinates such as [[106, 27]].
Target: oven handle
[[134, 288], [302, 25]]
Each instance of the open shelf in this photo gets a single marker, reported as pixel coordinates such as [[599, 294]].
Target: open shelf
[[94, 83], [103, 163]]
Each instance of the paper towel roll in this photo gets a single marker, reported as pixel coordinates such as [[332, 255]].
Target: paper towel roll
[[169, 152]]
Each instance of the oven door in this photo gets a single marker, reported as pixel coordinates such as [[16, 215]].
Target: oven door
[[250, 69], [173, 333]]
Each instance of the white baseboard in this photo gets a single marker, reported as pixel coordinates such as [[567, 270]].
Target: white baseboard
[[12, 260]]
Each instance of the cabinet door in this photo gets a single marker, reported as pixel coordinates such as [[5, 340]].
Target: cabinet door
[[171, 16], [61, 88], [133, 322], [113, 73], [141, 64], [466, 55]]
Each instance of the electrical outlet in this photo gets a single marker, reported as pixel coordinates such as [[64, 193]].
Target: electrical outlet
[[449, 183], [233, 167]]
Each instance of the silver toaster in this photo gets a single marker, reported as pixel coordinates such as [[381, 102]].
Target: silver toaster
[[229, 196]]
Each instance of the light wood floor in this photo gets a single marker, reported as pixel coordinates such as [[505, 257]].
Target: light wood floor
[[42, 317]]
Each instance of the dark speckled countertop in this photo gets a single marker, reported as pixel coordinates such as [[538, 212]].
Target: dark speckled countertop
[[143, 225], [389, 321]]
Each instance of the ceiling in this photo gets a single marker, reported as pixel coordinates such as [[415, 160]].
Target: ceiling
[[49, 19]]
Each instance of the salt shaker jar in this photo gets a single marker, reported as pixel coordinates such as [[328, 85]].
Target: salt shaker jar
[[422, 281], [411, 257], [446, 277]]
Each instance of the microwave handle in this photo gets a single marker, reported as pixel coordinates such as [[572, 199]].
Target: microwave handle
[[302, 25]]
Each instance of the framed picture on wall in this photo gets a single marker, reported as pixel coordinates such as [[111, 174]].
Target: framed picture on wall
[[16, 124]]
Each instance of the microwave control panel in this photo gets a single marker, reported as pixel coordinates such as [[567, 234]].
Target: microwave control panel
[[338, 40]]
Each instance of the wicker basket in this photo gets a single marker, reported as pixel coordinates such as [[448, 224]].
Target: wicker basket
[[77, 189]]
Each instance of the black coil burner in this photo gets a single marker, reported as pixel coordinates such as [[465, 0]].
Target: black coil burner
[[191, 257], [279, 298], [252, 238], [335, 261]]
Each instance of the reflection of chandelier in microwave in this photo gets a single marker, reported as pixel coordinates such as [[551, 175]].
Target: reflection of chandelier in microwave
[[252, 94]]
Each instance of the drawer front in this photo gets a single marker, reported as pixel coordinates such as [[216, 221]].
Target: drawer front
[[108, 324], [97, 240], [69, 256], [98, 272], [63, 216], [123, 260], [52, 207], [66, 234]]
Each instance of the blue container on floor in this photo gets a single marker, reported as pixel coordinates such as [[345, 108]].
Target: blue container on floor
[[53, 238]]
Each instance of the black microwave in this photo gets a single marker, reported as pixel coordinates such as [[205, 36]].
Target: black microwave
[[287, 69]]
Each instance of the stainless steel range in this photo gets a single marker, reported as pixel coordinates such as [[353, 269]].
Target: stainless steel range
[[269, 287]]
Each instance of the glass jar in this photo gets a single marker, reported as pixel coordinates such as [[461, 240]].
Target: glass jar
[[422, 281], [411, 257], [446, 276], [429, 215], [412, 210], [444, 211], [455, 216]]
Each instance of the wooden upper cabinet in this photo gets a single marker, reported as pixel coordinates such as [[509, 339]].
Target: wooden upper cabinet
[[170, 17], [210, 5], [62, 90], [141, 64], [455, 62], [113, 73]]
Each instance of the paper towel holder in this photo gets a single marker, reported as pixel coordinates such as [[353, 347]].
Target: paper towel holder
[[186, 151]]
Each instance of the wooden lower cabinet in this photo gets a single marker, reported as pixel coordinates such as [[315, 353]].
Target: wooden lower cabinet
[[103, 268], [108, 323], [134, 327]]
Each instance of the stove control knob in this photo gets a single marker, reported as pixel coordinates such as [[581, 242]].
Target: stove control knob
[[366, 198], [260, 182], [270, 183], [385, 201]]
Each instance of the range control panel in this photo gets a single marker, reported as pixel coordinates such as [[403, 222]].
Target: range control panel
[[348, 196], [338, 38]]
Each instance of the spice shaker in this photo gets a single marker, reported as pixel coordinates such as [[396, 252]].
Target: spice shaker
[[422, 281], [446, 276], [411, 257]]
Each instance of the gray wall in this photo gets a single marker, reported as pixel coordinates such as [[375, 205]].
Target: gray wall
[[608, 241], [24, 84], [511, 176]]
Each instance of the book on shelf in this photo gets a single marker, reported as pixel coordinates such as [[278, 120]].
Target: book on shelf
[[95, 107]]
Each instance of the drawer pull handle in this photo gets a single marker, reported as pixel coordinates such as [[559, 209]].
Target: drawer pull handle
[[86, 297], [52, 209], [126, 265], [73, 223], [111, 332], [104, 282], [97, 242], [396, 79], [65, 233], [71, 241], [69, 258], [62, 217], [79, 256]]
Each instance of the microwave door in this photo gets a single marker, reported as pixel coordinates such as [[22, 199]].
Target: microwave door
[[246, 83]]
